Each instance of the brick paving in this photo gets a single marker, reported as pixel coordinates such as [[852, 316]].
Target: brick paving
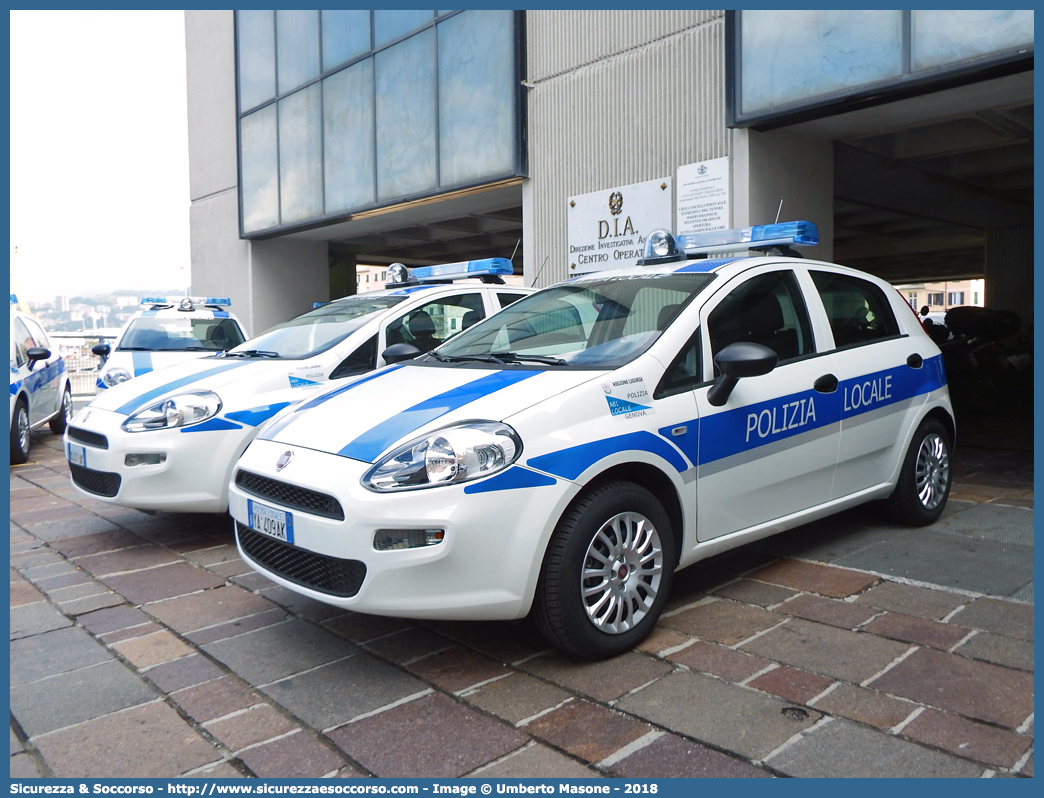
[[142, 646]]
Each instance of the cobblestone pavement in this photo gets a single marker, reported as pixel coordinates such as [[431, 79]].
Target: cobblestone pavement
[[142, 646]]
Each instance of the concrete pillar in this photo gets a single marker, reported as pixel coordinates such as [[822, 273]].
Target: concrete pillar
[[777, 164], [1009, 272], [342, 272], [287, 278]]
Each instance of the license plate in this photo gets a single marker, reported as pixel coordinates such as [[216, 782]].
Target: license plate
[[278, 524], [78, 455]]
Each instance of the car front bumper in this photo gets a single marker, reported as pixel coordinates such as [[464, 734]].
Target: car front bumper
[[192, 478], [485, 568]]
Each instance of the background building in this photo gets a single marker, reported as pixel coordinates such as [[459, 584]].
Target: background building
[[323, 139]]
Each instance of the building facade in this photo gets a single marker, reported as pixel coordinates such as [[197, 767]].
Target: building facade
[[322, 141]]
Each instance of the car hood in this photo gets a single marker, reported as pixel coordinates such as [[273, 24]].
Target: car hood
[[235, 380], [363, 419]]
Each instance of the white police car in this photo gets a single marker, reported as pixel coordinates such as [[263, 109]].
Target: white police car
[[40, 389], [569, 454], [167, 440], [170, 330]]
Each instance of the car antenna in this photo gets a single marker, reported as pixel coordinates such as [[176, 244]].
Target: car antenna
[[779, 210], [782, 250], [512, 258], [539, 272]]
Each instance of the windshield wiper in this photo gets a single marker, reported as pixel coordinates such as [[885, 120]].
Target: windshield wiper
[[465, 358], [514, 357], [250, 353]]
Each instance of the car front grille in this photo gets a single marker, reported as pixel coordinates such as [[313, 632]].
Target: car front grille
[[88, 437], [307, 501], [330, 575], [100, 483]]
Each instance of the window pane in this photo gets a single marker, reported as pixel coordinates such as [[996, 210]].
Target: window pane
[[405, 80], [260, 187], [944, 37], [346, 34], [476, 96], [788, 56], [300, 155], [766, 310], [390, 25], [298, 47], [858, 311], [256, 57], [348, 137]]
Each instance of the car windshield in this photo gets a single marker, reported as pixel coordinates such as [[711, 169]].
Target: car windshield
[[318, 330], [180, 334], [591, 323]]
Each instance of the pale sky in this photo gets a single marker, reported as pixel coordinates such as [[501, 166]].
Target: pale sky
[[99, 152]]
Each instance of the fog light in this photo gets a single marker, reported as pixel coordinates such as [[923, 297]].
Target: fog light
[[149, 458], [392, 539]]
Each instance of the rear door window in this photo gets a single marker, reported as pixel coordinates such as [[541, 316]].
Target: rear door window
[[859, 311]]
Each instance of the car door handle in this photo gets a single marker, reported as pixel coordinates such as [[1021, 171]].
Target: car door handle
[[826, 384], [915, 361]]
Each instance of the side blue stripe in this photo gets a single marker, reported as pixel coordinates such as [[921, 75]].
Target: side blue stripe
[[746, 428], [142, 362], [705, 265], [721, 435], [139, 401], [256, 415], [214, 425], [572, 462], [514, 477], [99, 384], [271, 433], [371, 443]]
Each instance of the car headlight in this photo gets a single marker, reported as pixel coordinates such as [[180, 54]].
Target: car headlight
[[182, 410], [454, 454], [115, 376]]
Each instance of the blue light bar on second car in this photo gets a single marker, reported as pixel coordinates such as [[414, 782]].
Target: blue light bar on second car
[[662, 246], [222, 301], [462, 269]]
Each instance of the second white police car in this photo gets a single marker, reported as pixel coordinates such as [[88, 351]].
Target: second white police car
[[170, 330], [167, 439], [566, 456]]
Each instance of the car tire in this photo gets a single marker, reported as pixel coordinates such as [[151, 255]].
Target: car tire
[[617, 528], [61, 421], [924, 482], [20, 435]]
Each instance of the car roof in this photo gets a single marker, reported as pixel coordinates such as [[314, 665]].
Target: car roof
[[725, 267], [429, 288]]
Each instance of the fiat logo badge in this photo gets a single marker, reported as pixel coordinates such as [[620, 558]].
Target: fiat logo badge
[[284, 460]]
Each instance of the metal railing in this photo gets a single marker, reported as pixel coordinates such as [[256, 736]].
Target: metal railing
[[80, 362]]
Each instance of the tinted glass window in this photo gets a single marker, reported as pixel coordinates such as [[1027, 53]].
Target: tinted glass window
[[22, 342], [430, 325], [180, 335], [507, 299], [360, 361], [768, 310], [319, 329], [684, 372], [859, 312], [597, 322]]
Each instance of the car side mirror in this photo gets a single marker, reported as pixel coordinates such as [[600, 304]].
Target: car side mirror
[[101, 349], [736, 361], [35, 353], [396, 353], [925, 310]]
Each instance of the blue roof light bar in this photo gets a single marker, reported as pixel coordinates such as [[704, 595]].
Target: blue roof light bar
[[222, 301], [463, 269], [663, 247], [489, 269]]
